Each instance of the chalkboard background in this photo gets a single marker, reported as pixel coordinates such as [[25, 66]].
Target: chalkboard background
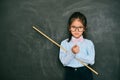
[[27, 55]]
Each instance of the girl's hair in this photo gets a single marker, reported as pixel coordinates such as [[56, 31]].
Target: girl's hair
[[77, 15]]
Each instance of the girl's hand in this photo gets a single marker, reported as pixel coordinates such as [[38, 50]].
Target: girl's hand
[[75, 49]]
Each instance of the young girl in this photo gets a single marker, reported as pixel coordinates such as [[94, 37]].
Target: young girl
[[77, 47]]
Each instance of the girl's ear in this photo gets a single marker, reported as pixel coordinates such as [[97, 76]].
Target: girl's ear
[[84, 29], [69, 29]]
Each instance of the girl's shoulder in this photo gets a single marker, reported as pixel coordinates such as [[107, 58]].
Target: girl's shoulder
[[88, 41], [64, 41]]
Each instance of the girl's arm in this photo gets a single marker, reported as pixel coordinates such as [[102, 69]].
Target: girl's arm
[[89, 56], [65, 57]]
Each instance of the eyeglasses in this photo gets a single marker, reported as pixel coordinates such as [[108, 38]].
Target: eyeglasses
[[73, 28]]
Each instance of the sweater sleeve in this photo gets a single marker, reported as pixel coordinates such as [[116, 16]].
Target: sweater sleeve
[[65, 57], [89, 56]]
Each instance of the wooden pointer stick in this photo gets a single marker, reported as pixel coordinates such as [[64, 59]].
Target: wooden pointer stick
[[49, 38], [63, 48]]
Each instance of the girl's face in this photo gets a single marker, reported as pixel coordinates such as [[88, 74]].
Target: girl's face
[[76, 28]]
